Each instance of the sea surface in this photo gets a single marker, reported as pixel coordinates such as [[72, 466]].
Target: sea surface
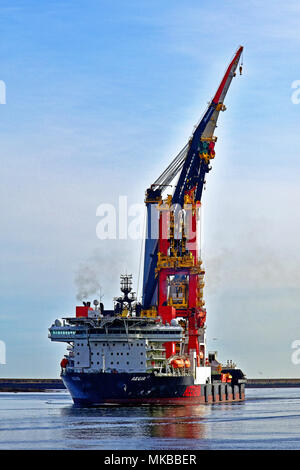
[[268, 419]]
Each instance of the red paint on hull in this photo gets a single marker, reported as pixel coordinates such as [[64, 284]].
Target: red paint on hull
[[165, 401]]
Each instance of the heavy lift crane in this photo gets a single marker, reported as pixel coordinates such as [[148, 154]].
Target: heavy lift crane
[[173, 274]]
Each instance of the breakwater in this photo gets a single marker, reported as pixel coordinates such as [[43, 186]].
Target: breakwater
[[42, 385]]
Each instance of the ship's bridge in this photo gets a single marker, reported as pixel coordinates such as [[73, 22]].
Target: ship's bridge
[[114, 329], [116, 343]]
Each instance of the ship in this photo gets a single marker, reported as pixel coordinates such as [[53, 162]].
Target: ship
[[153, 350]]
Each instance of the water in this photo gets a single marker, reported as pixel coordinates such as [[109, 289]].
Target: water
[[268, 419]]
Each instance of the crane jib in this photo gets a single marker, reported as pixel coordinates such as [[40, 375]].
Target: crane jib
[[192, 164], [191, 167]]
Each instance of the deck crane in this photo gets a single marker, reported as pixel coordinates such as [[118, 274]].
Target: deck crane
[[173, 273]]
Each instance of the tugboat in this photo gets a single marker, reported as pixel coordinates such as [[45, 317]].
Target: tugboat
[[155, 351]]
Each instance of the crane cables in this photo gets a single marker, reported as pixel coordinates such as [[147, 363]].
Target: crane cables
[[171, 171], [176, 165], [143, 237]]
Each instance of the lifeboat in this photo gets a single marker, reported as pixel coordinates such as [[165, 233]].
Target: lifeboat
[[177, 363], [187, 363]]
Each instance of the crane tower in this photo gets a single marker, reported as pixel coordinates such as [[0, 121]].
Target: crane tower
[[173, 274]]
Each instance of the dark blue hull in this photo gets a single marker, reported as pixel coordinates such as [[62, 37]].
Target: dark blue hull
[[92, 389]]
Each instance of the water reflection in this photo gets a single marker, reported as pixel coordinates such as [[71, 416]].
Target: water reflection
[[183, 422], [112, 423], [268, 419]]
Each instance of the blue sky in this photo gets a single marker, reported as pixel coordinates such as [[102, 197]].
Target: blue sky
[[100, 96]]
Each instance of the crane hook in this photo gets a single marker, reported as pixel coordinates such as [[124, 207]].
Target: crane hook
[[242, 63]]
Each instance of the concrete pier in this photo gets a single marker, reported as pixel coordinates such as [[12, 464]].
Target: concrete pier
[[214, 393], [30, 385], [272, 383]]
